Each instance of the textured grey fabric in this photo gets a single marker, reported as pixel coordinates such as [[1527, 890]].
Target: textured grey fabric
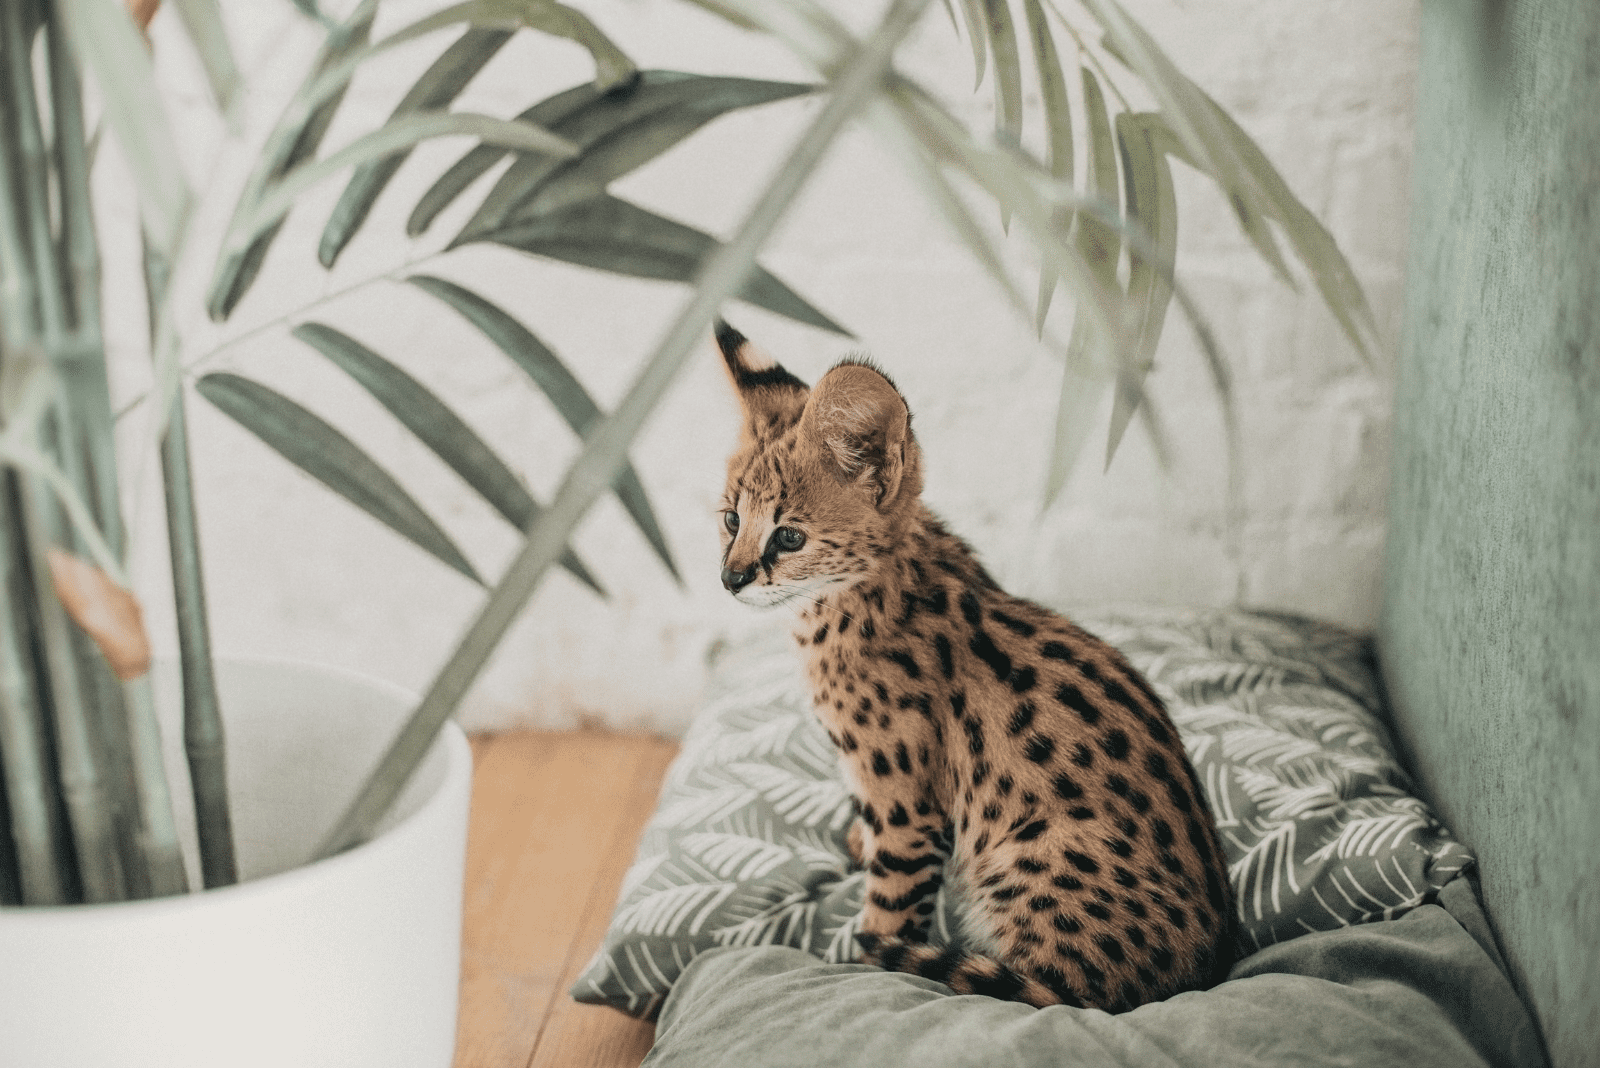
[[1280, 715], [1415, 992]]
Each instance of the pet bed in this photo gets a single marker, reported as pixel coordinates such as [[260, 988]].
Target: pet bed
[[1360, 942]]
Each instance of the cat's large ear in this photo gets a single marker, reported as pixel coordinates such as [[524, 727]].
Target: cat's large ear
[[861, 426], [771, 397]]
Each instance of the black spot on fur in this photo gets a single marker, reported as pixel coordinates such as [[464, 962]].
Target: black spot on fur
[[1029, 864], [1066, 788], [1162, 959], [847, 742], [1065, 924], [902, 759], [1040, 749], [1067, 882], [1081, 812], [1128, 827], [1021, 719], [1117, 785], [1139, 800], [1023, 679], [1012, 623], [937, 602], [1042, 903], [1073, 698], [947, 665], [1004, 986], [1009, 893], [923, 808], [1135, 935], [1033, 830], [868, 629], [1120, 847], [1110, 947], [958, 704], [1115, 744], [980, 772], [1179, 796], [1176, 916], [1082, 862], [992, 811], [971, 611], [880, 763], [939, 968], [981, 844], [1097, 910], [1124, 877], [984, 649], [1082, 755], [882, 690], [907, 662], [1055, 651], [974, 736], [907, 865], [1004, 784], [1135, 906], [898, 816]]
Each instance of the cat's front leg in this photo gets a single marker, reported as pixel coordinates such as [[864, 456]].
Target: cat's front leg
[[904, 860]]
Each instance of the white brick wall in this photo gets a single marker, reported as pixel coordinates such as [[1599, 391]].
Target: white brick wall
[[1325, 85]]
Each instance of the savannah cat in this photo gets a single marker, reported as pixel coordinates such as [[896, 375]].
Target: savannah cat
[[990, 744]]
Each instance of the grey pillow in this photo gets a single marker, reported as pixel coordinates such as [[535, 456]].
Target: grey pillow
[[1280, 715]]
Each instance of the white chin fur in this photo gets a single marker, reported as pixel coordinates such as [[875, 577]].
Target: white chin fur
[[773, 596]]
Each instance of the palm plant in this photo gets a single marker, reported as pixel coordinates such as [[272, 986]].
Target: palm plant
[[84, 812]]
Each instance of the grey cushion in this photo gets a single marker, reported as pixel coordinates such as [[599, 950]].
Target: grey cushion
[[1280, 715], [1420, 992]]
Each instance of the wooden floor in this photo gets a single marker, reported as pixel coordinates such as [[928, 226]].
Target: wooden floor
[[555, 819]]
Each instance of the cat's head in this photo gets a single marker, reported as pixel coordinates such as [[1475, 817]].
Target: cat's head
[[822, 482]]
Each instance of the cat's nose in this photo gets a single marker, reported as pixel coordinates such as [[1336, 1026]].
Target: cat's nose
[[734, 581]]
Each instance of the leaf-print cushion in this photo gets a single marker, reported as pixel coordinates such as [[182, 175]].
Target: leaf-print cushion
[[1281, 716]]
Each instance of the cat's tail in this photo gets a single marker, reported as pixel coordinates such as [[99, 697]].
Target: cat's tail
[[965, 972]]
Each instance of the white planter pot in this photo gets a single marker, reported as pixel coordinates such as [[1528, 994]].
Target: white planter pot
[[348, 962]]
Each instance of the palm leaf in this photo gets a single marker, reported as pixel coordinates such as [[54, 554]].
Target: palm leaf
[[977, 20], [1100, 247], [267, 210], [548, 113], [441, 83], [325, 454], [552, 377], [1002, 33], [111, 48], [203, 21], [616, 133], [613, 235], [1058, 130], [1152, 204], [293, 143], [439, 428]]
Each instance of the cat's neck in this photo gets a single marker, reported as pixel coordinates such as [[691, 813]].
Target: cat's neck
[[923, 561]]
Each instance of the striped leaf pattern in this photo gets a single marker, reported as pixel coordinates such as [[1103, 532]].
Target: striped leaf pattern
[[1283, 720], [1280, 715]]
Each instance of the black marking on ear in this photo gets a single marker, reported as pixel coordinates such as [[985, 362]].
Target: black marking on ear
[[730, 341]]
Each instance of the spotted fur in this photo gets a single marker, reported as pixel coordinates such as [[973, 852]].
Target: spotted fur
[[990, 743]]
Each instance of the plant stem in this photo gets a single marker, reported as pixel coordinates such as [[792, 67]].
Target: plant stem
[[203, 739], [82, 785], [606, 445], [25, 758]]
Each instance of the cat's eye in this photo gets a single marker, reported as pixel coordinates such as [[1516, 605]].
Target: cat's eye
[[730, 519], [789, 539]]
